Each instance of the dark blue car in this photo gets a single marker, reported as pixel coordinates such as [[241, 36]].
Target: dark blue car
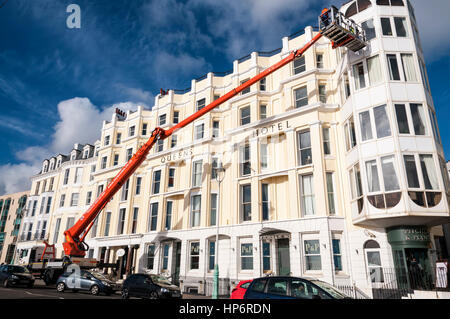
[[11, 275], [291, 288], [93, 282]]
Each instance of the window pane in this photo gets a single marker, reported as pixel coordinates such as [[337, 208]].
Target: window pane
[[373, 64], [245, 115], [397, 3], [308, 199], [326, 141], [386, 26], [301, 97], [277, 286], [369, 28], [418, 116], [330, 193], [305, 148], [402, 119], [411, 171], [389, 174], [394, 74], [358, 72], [366, 126], [400, 26], [429, 172], [382, 121], [408, 67], [299, 65], [372, 176]]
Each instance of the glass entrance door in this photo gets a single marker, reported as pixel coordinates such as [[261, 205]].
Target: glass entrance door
[[284, 262], [419, 271]]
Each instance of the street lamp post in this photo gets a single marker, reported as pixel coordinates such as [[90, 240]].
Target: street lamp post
[[220, 175]]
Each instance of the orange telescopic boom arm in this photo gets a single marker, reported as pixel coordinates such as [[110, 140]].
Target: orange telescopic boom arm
[[74, 245]]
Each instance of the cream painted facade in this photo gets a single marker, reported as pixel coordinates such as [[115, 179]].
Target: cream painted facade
[[11, 210], [318, 165]]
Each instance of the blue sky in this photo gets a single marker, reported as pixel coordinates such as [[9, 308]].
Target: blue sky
[[58, 84]]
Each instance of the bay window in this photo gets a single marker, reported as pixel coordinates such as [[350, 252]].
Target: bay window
[[382, 195], [423, 191]]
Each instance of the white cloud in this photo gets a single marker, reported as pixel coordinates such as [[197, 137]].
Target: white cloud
[[16, 178], [247, 26], [433, 19], [79, 122]]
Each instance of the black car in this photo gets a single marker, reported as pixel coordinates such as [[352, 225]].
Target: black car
[[279, 287], [149, 286], [93, 282], [11, 275]]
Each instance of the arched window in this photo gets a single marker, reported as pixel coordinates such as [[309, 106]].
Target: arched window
[[351, 10], [356, 7], [373, 261], [371, 244], [396, 3]]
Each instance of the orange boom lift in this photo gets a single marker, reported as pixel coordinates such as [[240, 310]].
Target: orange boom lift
[[338, 29]]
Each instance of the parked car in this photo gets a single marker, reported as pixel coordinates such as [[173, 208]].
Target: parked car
[[238, 292], [280, 287], [11, 275], [93, 282], [149, 286]]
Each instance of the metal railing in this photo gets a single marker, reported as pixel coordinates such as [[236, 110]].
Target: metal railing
[[224, 287], [352, 291], [396, 283]]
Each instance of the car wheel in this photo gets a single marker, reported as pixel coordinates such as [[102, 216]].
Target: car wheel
[[95, 290], [125, 294], [60, 287], [6, 283], [153, 295]]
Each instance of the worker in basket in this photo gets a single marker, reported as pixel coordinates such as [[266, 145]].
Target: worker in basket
[[325, 17]]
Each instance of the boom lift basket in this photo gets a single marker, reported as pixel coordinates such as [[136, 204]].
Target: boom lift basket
[[341, 31]]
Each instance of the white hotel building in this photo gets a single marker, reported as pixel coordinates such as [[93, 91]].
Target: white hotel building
[[334, 168]]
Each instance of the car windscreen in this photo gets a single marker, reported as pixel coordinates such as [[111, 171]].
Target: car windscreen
[[330, 289], [160, 280], [97, 275], [17, 270]]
